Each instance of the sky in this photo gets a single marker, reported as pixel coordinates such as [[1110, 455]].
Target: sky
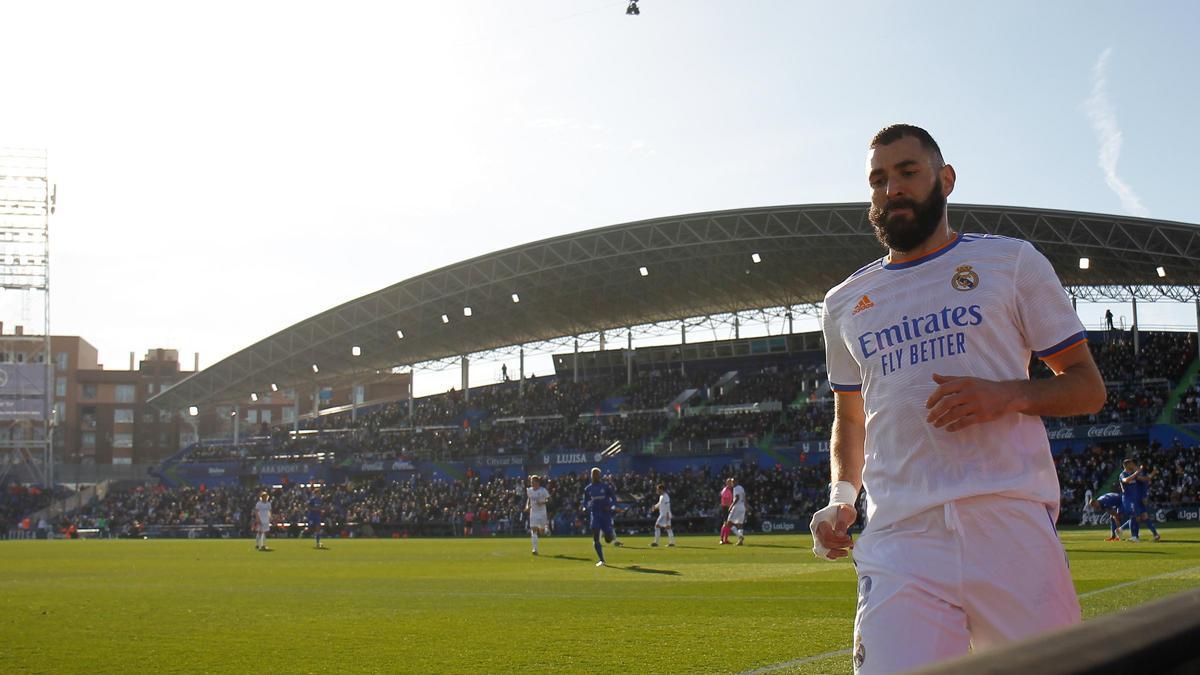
[[227, 169]]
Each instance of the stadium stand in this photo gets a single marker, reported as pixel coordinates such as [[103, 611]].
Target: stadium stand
[[777, 404]]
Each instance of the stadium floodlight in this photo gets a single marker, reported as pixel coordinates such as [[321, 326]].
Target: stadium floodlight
[[193, 410], [1162, 271], [1084, 263], [399, 335], [516, 298], [756, 258], [274, 387], [233, 413], [253, 397], [315, 369], [632, 9], [356, 351], [466, 311], [445, 319], [643, 271]]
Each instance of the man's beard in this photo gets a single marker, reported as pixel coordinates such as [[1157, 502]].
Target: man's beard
[[904, 233]]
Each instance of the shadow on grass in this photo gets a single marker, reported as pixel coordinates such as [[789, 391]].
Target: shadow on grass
[[806, 548], [571, 557], [651, 570], [1116, 551]]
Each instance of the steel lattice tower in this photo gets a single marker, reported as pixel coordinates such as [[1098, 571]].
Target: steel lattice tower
[[27, 415]]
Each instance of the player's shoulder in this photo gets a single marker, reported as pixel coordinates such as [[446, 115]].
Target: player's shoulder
[[995, 245], [853, 285]]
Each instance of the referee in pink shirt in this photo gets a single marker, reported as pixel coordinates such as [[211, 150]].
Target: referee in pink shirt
[[726, 502]]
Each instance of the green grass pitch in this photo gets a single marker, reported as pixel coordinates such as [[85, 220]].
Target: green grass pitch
[[477, 605]]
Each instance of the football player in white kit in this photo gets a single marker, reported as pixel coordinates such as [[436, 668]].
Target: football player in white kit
[[736, 519], [936, 418], [535, 505], [261, 522], [664, 517]]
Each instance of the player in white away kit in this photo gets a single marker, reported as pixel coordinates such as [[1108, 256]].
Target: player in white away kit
[[535, 505], [261, 523], [664, 516], [736, 519], [928, 350]]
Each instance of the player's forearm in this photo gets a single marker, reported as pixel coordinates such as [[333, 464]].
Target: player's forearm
[[847, 452], [1075, 391]]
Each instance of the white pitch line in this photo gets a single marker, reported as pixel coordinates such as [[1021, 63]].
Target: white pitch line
[[798, 662], [1135, 582], [846, 652]]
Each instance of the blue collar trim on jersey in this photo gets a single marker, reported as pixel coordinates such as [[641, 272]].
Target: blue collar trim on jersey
[[925, 258]]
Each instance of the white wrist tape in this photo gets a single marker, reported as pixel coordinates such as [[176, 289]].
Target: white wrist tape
[[843, 492]]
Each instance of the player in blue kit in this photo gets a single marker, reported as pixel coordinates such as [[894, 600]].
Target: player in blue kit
[[599, 498], [315, 514], [1135, 485], [1111, 504]]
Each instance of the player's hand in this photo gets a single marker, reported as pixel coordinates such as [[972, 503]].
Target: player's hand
[[960, 402], [830, 530]]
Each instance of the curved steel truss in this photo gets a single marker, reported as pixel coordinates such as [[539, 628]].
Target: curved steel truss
[[690, 267]]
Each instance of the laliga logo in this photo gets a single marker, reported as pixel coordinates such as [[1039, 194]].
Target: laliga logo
[[766, 527], [3, 377]]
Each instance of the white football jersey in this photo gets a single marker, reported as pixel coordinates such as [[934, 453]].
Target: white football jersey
[[538, 498], [262, 510], [739, 495], [978, 306], [664, 506]]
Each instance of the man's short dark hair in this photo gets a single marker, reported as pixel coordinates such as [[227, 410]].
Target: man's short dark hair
[[894, 132]]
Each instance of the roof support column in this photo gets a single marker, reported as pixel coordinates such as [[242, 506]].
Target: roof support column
[[682, 344], [237, 409], [466, 378], [575, 362], [629, 338], [295, 414], [791, 326], [1135, 326], [521, 379], [737, 326], [629, 356], [316, 403], [412, 376]]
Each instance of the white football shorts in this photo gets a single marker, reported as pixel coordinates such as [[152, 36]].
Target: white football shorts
[[538, 519], [737, 515], [968, 575]]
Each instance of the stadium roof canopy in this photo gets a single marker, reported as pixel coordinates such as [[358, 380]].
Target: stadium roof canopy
[[668, 269]]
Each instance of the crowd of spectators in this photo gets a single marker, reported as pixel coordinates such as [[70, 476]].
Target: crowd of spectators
[[1138, 384], [18, 501], [473, 506], [550, 414], [1175, 471], [1187, 410], [783, 384], [478, 506]]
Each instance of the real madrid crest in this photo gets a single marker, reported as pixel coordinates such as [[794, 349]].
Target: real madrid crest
[[964, 279]]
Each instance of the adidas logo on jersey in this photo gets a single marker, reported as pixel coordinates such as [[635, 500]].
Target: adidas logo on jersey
[[863, 303]]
